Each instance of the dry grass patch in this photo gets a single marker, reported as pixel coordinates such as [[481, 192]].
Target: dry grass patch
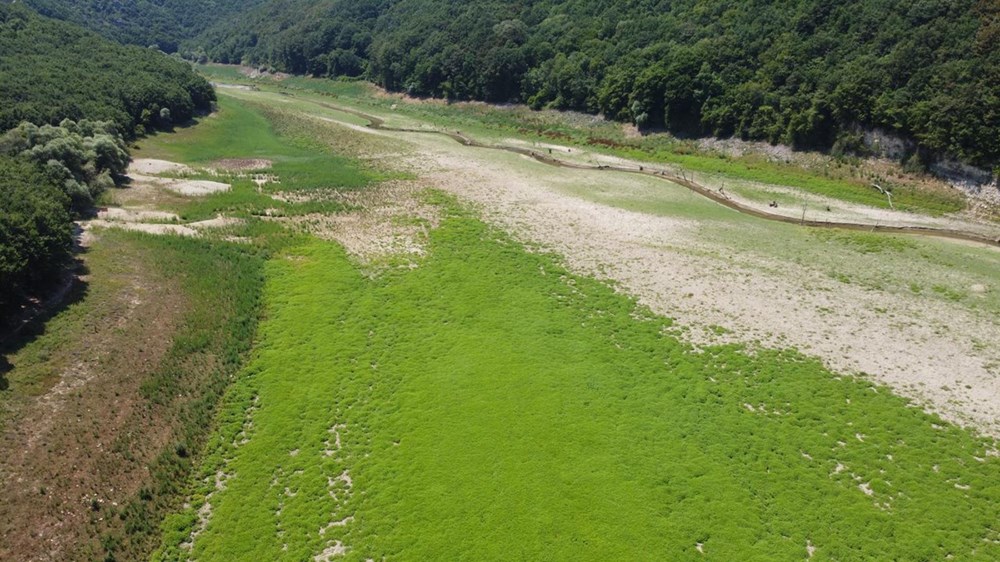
[[241, 164], [384, 223], [76, 398]]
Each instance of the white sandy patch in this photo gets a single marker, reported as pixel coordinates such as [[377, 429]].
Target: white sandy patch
[[141, 169], [336, 549], [205, 511], [135, 215], [133, 219], [333, 524], [241, 164], [233, 86], [195, 188], [219, 221], [389, 221], [333, 448], [191, 188], [344, 480], [146, 166]]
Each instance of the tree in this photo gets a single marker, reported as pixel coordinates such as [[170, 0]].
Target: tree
[[35, 229], [84, 158]]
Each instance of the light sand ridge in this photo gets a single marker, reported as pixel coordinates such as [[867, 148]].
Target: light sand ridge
[[140, 169]]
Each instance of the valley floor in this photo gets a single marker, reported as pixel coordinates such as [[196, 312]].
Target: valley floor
[[467, 353]]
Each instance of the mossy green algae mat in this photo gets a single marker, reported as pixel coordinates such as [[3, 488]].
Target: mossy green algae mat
[[488, 405]]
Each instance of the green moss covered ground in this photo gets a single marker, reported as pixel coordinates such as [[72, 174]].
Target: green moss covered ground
[[490, 406]]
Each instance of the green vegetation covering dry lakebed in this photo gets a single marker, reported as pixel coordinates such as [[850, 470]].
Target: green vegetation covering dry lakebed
[[489, 405], [321, 320]]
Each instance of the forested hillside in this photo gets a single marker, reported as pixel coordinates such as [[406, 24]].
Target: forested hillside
[[809, 73], [51, 70], [143, 22]]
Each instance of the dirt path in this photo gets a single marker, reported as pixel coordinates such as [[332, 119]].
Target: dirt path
[[80, 435], [935, 352]]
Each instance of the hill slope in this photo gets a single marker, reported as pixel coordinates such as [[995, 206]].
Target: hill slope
[[809, 73], [52, 70], [143, 22]]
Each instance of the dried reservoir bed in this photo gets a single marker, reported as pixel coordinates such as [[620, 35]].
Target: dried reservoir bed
[[469, 354]]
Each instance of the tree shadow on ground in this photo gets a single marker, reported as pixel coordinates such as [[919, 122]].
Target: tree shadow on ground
[[5, 368], [33, 320]]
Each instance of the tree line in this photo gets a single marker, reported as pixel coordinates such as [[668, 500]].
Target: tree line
[[48, 176], [808, 73]]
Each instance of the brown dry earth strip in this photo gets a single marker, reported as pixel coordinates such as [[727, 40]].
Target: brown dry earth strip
[[78, 449]]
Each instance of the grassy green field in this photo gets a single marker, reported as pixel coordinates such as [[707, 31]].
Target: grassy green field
[[488, 405], [299, 150]]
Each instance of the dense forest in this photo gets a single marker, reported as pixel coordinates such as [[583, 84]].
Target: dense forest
[[49, 175], [163, 23], [52, 71], [808, 73], [68, 100]]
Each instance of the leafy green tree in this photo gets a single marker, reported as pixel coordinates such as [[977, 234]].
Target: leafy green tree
[[84, 158]]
